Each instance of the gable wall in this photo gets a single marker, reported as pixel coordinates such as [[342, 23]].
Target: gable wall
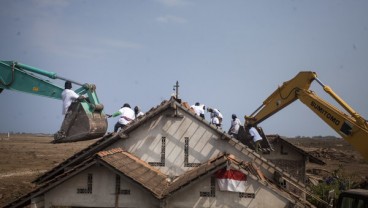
[[161, 142], [202, 193], [103, 191], [288, 159], [256, 195]]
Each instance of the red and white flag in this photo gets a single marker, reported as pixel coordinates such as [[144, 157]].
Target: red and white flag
[[231, 180]]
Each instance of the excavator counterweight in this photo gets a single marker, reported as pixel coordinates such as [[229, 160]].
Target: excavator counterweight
[[85, 119]]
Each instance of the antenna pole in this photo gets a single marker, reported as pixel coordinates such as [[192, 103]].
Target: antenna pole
[[176, 88]]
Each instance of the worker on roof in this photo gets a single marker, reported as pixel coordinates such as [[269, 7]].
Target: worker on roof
[[255, 136], [235, 125], [126, 116], [215, 121], [198, 109], [215, 115], [138, 112]]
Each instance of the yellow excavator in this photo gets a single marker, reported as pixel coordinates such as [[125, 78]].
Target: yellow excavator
[[86, 119], [353, 127]]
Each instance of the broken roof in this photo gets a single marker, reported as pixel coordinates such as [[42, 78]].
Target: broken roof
[[276, 138]]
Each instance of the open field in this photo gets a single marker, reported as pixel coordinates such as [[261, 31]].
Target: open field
[[25, 157]]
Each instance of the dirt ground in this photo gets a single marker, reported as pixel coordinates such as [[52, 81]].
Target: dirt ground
[[337, 154], [25, 157]]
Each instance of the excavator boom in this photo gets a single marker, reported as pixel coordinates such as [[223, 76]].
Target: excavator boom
[[345, 125], [352, 127], [281, 97], [86, 119]]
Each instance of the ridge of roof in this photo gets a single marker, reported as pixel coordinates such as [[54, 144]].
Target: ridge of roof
[[109, 152], [77, 157]]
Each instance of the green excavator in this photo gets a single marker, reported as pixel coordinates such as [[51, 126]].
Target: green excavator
[[86, 119]]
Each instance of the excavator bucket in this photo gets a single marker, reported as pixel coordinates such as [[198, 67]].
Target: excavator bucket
[[80, 123], [85, 119]]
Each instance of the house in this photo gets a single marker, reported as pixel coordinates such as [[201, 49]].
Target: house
[[168, 158], [284, 155], [289, 157]]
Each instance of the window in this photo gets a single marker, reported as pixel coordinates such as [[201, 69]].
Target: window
[[87, 190]]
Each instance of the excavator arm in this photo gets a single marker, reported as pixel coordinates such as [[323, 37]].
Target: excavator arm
[[352, 127], [86, 119], [281, 97]]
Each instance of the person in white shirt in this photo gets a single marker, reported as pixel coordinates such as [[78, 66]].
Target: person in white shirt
[[215, 113], [126, 116], [215, 121], [138, 112], [255, 136], [198, 109], [68, 96], [235, 125]]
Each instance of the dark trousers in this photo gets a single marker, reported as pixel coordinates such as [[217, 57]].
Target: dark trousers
[[117, 126], [258, 146]]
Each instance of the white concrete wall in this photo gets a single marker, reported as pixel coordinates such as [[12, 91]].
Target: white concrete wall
[[204, 143], [287, 153], [103, 191], [190, 197], [291, 161], [104, 188]]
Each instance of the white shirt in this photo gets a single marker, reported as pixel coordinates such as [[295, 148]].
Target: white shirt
[[216, 113], [198, 109], [256, 136], [139, 114], [126, 116], [215, 120], [235, 125], [68, 96]]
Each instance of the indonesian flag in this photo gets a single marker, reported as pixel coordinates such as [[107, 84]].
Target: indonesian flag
[[231, 180]]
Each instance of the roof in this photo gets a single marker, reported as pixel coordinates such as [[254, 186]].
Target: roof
[[161, 185], [245, 138], [136, 169], [361, 193], [110, 138], [102, 143], [145, 175], [277, 139], [157, 183], [26, 199], [108, 158]]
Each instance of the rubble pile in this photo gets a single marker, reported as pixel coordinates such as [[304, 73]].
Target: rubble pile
[[332, 154]]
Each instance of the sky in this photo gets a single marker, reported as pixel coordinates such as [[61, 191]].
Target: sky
[[230, 55]]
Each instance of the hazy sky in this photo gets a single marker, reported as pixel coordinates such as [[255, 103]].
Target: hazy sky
[[229, 55]]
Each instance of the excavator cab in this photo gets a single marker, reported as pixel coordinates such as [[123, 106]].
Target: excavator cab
[[85, 119]]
